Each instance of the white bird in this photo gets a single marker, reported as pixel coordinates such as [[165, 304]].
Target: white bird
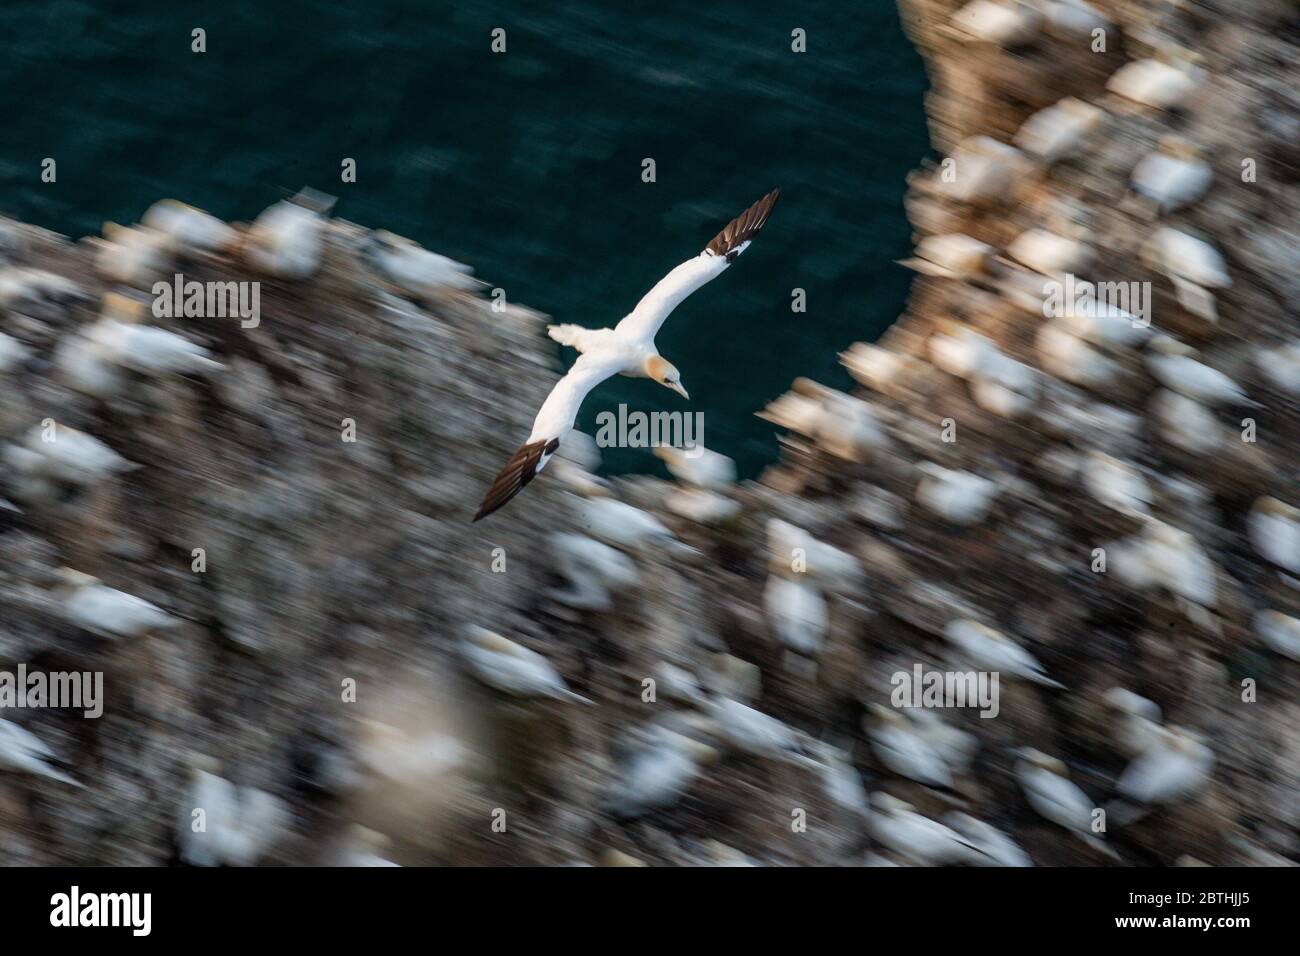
[[985, 172], [364, 847], [658, 773], [997, 847], [994, 651], [904, 752], [417, 270], [627, 349], [23, 752], [36, 292], [1067, 356], [1060, 130], [797, 613], [842, 782], [1186, 423], [1183, 565], [792, 549], [1192, 265], [1138, 720], [1274, 530], [702, 506], [1281, 366], [1004, 386], [755, 733], [951, 256], [190, 228], [1279, 632], [960, 497], [288, 239], [592, 569], [1052, 253], [1157, 83], [840, 424], [884, 370], [132, 255], [898, 827], [238, 824], [1116, 484], [698, 466], [955, 746], [12, 353], [1071, 18], [95, 607], [619, 523], [1005, 24], [512, 668], [147, 349], [69, 456], [1174, 176], [1046, 784], [960, 350], [1176, 766], [1102, 323], [1175, 366]]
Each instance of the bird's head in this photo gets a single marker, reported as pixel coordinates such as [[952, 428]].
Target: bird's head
[[665, 373]]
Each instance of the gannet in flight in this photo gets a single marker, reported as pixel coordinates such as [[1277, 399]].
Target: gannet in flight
[[627, 349]]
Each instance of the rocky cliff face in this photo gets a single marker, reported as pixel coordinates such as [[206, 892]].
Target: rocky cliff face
[[971, 478]]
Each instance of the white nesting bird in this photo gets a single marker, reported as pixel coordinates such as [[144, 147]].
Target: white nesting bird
[[1051, 793], [882, 369], [238, 824], [997, 848], [839, 424], [1281, 365], [627, 349], [288, 239], [36, 292], [512, 668], [960, 350], [414, 269], [1185, 423], [1059, 131], [1071, 18], [364, 847], [1004, 23], [622, 524], [1176, 366], [92, 605], [702, 506], [698, 466], [12, 353], [1116, 484], [1069, 357], [955, 746], [190, 227], [70, 456], [1274, 530], [959, 497], [1174, 767], [902, 751], [796, 613], [984, 171], [147, 349], [1184, 567], [657, 773], [1173, 176], [1166, 83], [132, 255], [992, 650], [898, 827], [755, 733], [1137, 720], [1279, 631], [842, 782], [1005, 386], [1193, 266], [21, 751], [1052, 253], [592, 569], [792, 549], [1102, 323], [951, 256]]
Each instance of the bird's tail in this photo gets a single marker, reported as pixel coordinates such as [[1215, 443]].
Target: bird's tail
[[567, 334]]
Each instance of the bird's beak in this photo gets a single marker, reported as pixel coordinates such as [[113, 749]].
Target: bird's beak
[[679, 389]]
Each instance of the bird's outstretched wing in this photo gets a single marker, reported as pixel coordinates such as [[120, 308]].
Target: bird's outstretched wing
[[648, 317], [554, 421]]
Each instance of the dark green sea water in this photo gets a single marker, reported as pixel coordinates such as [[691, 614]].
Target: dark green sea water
[[526, 165]]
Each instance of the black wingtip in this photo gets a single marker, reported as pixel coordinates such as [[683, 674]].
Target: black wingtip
[[744, 227]]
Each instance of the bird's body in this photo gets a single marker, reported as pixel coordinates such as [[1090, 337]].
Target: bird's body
[[24, 752], [627, 349], [100, 609]]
